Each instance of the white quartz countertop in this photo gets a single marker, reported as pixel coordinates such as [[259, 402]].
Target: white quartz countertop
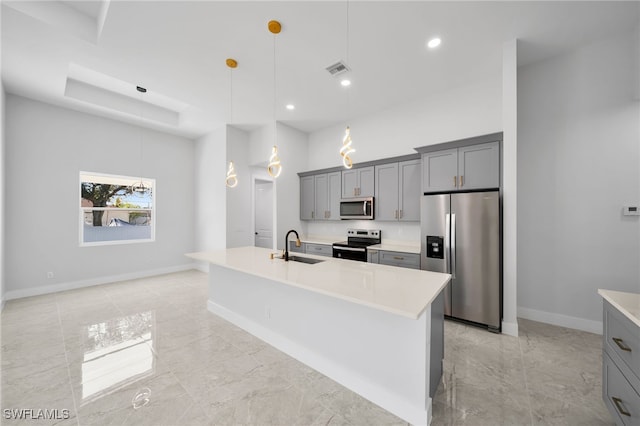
[[405, 292], [397, 247], [627, 303], [318, 239]]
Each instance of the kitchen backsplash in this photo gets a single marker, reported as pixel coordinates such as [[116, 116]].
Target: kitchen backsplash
[[406, 231]]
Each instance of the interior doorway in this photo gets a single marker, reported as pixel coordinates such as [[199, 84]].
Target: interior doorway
[[263, 213]]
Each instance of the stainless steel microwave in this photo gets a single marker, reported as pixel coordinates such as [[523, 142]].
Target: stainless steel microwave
[[356, 208]]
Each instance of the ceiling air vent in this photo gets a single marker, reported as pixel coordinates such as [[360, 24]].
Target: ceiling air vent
[[337, 68]]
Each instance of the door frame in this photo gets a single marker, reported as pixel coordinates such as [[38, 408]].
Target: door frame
[[262, 179]]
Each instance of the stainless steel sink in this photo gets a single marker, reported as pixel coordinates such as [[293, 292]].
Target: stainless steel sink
[[305, 259]]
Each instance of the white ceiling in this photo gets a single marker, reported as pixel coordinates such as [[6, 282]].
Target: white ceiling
[[177, 50]]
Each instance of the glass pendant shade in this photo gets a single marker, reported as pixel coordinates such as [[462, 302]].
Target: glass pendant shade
[[232, 179], [347, 149], [274, 168]]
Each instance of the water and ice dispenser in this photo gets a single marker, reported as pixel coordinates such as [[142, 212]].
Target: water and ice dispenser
[[435, 247]]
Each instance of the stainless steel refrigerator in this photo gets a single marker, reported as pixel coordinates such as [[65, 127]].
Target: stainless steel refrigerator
[[461, 235]]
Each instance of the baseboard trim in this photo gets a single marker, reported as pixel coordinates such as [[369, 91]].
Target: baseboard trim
[[54, 288], [560, 320], [510, 328], [202, 266]]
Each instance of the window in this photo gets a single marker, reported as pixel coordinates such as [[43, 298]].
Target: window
[[116, 209]]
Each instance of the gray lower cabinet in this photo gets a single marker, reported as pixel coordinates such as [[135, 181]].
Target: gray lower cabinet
[[373, 256], [621, 367], [318, 249], [292, 247], [395, 258], [462, 169]]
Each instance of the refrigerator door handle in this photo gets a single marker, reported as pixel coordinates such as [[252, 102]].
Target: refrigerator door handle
[[453, 246], [447, 228]]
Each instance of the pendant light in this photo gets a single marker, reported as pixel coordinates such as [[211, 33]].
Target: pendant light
[[274, 168], [346, 148], [140, 188], [232, 179]]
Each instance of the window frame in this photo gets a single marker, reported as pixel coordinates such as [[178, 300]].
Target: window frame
[[82, 209]]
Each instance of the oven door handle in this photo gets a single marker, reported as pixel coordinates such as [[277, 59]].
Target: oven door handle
[[362, 250]]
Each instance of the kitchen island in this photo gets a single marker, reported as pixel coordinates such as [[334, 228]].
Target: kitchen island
[[375, 329]]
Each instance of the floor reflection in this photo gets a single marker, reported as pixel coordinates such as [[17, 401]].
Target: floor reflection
[[117, 352]]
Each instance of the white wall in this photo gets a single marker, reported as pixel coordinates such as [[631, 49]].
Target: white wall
[[464, 112], [578, 164], [239, 203], [468, 111], [260, 143], [46, 147], [210, 189], [293, 151]]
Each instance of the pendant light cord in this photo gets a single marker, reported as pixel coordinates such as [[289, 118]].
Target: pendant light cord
[[275, 126], [348, 64], [141, 130]]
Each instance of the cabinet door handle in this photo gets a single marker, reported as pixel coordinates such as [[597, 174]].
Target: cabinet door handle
[[398, 258], [461, 181], [618, 403], [401, 214], [620, 344], [312, 214], [455, 181]]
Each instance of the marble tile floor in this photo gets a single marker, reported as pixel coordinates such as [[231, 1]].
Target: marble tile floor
[[147, 352]]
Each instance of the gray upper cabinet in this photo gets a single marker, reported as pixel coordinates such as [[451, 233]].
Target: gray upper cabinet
[[358, 182], [409, 190], [334, 187], [398, 191], [320, 196], [307, 198], [461, 169], [479, 166], [440, 170], [386, 203]]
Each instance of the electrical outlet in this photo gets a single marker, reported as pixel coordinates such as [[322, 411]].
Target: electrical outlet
[[49, 275]]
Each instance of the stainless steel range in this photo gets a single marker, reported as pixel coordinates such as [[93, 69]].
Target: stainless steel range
[[355, 248]]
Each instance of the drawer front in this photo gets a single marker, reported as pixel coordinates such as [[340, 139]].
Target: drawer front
[[403, 260], [622, 337], [319, 249], [619, 396]]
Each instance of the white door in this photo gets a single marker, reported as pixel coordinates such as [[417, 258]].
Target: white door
[[263, 211]]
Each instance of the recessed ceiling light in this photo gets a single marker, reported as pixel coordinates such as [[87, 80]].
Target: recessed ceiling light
[[345, 82], [434, 42], [291, 107]]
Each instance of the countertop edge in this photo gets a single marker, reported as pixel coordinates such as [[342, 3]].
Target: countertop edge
[[403, 313], [606, 294]]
